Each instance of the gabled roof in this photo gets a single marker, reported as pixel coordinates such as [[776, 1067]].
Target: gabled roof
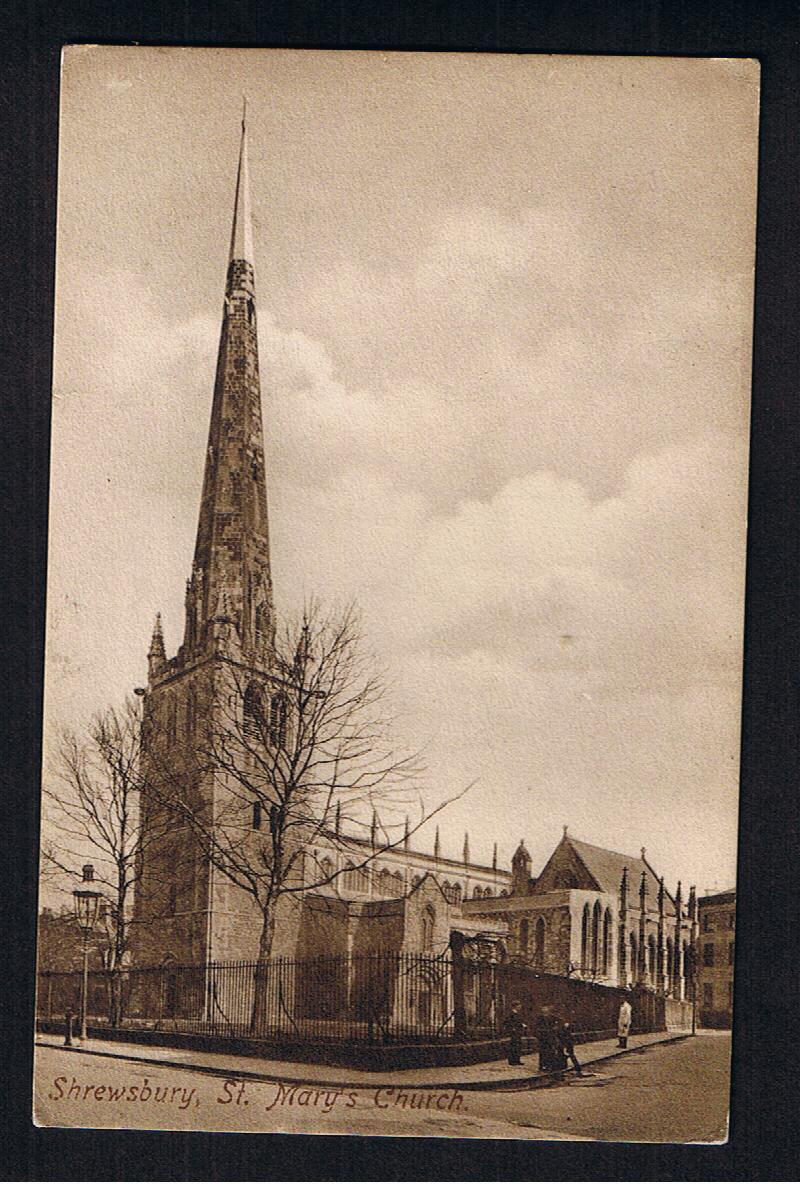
[[606, 868]]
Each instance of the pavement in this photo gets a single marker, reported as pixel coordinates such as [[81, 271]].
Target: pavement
[[491, 1075]]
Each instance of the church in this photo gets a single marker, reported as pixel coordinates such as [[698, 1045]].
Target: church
[[590, 913]]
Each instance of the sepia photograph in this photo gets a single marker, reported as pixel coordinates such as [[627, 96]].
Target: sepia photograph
[[395, 595]]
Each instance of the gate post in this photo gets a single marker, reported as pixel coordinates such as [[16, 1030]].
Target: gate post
[[457, 975]]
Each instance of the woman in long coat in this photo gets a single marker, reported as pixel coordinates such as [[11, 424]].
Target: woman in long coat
[[624, 1023]]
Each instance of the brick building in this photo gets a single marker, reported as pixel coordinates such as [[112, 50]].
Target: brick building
[[598, 915], [716, 945], [185, 910]]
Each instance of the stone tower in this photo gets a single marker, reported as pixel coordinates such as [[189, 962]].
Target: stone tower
[[184, 911]]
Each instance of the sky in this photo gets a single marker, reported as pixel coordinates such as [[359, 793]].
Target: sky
[[505, 313]]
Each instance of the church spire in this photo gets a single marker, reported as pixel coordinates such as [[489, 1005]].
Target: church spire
[[232, 548], [242, 229]]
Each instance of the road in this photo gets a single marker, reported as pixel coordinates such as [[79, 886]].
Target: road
[[668, 1093]]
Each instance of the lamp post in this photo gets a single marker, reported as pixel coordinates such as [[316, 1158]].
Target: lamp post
[[87, 903]]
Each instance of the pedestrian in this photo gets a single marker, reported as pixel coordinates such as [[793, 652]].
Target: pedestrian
[[624, 1023], [550, 1054], [515, 1026], [568, 1047]]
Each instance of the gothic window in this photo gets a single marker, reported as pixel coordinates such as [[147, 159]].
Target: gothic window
[[651, 959], [262, 621], [172, 719], [670, 968], [256, 815], [524, 937], [356, 879], [253, 711], [606, 956], [634, 959], [191, 713], [596, 922], [585, 938], [325, 868], [538, 944], [277, 721], [456, 893]]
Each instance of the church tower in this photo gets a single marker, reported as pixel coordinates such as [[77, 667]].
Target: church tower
[[183, 911]]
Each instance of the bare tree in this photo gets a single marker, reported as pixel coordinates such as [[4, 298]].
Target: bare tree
[[307, 761], [92, 803]]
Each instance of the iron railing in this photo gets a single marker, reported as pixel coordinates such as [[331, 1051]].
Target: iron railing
[[363, 998]]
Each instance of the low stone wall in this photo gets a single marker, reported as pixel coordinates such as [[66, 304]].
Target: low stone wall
[[375, 1057]]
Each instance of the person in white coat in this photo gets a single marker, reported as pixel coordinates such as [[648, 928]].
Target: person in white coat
[[624, 1023]]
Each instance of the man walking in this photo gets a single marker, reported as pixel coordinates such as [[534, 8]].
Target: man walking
[[547, 1035], [568, 1047], [515, 1026], [624, 1023]]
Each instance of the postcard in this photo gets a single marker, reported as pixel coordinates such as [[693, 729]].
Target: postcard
[[395, 593]]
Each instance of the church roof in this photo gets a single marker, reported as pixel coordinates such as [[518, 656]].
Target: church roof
[[606, 867]]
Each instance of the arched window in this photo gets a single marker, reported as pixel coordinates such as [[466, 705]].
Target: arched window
[[488, 892], [524, 937], [669, 963], [504, 892], [456, 894], [596, 936], [538, 944], [172, 719], [325, 868], [253, 711], [651, 959], [428, 924], [634, 959], [262, 623], [606, 957], [476, 892], [585, 938], [277, 721], [191, 712]]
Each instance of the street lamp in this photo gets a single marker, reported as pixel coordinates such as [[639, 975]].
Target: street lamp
[[87, 904]]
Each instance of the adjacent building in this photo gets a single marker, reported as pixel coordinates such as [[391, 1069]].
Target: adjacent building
[[715, 959], [596, 914]]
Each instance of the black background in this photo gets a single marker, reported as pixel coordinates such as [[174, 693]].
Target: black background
[[765, 1113]]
